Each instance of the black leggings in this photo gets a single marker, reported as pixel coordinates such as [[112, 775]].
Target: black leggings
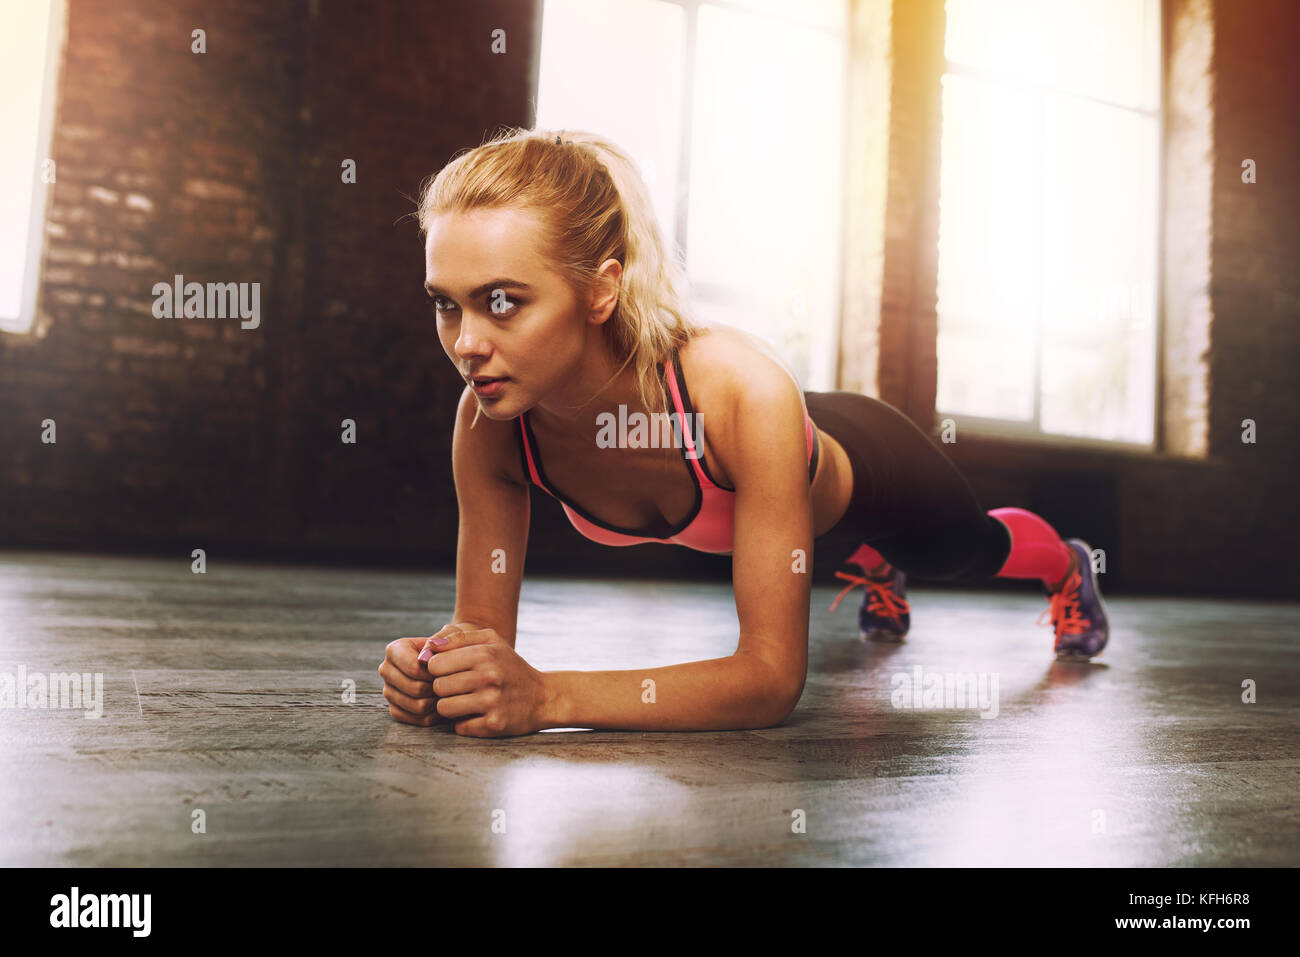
[[909, 502]]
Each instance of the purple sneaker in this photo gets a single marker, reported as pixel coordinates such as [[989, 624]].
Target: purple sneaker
[[885, 614], [1077, 610]]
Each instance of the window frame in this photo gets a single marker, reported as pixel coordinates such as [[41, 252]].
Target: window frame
[[823, 362], [1031, 432], [56, 33]]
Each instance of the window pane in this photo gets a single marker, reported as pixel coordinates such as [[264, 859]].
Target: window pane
[[23, 46], [765, 180], [824, 14], [988, 223], [1099, 264], [617, 69], [1067, 216], [1099, 48]]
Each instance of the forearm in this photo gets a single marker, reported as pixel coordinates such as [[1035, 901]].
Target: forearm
[[719, 694]]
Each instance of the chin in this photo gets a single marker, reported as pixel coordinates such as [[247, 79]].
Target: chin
[[498, 412]]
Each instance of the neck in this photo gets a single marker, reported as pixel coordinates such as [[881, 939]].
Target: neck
[[593, 389]]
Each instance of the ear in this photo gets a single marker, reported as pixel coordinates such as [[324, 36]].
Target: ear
[[606, 290]]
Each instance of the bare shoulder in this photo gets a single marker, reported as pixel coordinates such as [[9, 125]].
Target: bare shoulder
[[490, 447], [730, 372], [724, 365]]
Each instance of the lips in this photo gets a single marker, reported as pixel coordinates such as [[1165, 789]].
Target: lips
[[486, 387]]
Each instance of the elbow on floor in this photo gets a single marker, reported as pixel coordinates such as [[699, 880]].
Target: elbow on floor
[[780, 713]]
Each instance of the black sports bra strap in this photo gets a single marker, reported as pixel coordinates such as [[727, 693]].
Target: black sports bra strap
[[816, 454]]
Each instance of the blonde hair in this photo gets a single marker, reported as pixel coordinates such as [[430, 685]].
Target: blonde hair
[[593, 205]]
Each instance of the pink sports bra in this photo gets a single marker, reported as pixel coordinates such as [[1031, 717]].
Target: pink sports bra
[[709, 527]]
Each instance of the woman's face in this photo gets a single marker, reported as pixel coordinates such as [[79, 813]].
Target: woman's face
[[501, 312]]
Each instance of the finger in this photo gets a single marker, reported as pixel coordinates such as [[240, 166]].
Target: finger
[[455, 660], [416, 689], [405, 717], [461, 682], [457, 638], [415, 706], [463, 705], [445, 632], [454, 627], [404, 653], [474, 728]]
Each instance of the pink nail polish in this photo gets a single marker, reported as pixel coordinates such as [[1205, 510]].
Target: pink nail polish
[[441, 641], [426, 654]]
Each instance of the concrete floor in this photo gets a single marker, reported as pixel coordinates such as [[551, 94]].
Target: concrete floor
[[222, 692]]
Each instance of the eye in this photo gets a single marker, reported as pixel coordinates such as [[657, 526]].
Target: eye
[[497, 303]]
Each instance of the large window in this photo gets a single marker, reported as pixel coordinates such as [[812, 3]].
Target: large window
[[31, 34], [735, 112], [1048, 218]]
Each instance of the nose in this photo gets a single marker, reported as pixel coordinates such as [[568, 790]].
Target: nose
[[469, 343]]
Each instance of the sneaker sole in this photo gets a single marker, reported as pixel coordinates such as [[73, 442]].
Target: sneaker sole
[[879, 634]]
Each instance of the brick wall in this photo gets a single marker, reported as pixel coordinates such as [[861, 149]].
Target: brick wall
[[225, 167], [1206, 514]]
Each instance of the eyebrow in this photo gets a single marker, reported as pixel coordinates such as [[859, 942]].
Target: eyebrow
[[431, 289]]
